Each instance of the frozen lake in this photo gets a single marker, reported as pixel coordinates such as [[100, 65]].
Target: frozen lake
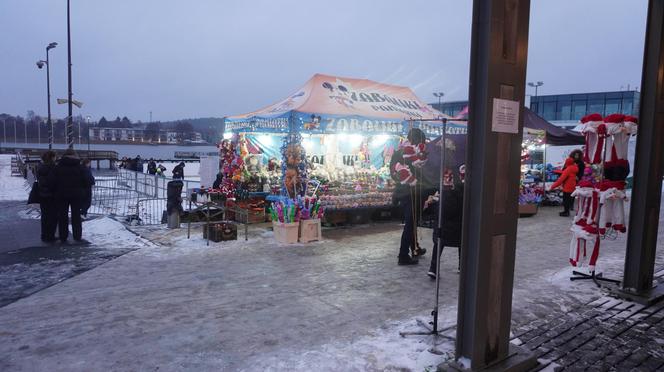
[[145, 151]]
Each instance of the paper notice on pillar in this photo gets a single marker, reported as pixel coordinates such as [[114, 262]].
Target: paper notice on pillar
[[505, 116]]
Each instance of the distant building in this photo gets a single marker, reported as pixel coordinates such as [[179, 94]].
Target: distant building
[[565, 110], [137, 134]]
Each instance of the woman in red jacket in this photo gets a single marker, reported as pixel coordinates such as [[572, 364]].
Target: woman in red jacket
[[568, 181]]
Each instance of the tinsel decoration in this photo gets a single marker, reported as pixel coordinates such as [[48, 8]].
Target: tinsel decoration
[[293, 166], [230, 165]]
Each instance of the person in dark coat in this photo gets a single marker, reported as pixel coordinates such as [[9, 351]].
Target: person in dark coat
[[69, 183], [217, 182], [450, 234], [49, 213], [178, 171], [138, 164], [86, 202], [152, 167]]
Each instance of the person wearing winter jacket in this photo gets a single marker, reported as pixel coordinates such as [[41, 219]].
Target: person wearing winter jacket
[[403, 168], [152, 167], [450, 231], [568, 182], [69, 184], [178, 171], [86, 202], [49, 213]]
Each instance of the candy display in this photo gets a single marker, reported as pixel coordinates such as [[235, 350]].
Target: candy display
[[369, 199]]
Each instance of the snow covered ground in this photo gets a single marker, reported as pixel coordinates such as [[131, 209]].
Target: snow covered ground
[[11, 187], [169, 302]]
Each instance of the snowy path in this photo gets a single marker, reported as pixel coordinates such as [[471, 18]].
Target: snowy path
[[11, 188], [255, 306]]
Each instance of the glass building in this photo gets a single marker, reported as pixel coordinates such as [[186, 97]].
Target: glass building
[[566, 109], [572, 107]]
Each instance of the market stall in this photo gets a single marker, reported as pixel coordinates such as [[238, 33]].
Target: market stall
[[334, 137]]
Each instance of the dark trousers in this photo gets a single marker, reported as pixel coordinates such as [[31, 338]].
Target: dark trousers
[[434, 255], [568, 200], [49, 219], [87, 202], [408, 234], [64, 205]]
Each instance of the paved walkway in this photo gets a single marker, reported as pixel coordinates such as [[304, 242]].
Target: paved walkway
[[604, 335], [332, 305], [27, 265]]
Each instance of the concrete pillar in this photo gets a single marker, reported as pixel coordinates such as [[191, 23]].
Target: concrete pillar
[[649, 160], [499, 49]]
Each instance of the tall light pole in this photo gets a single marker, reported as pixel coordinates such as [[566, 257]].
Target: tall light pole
[[70, 126], [41, 64], [439, 95], [536, 85], [87, 121]]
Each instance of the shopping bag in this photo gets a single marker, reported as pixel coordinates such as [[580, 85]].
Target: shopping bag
[[33, 198]]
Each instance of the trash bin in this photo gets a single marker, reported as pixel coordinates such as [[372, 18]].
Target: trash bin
[[174, 203]]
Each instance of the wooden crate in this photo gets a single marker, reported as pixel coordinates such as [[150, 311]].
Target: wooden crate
[[310, 230], [221, 231], [286, 233], [527, 210]]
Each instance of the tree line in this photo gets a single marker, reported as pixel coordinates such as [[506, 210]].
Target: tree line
[[33, 128]]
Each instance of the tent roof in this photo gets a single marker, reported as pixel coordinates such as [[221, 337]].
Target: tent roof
[[555, 135], [333, 95]]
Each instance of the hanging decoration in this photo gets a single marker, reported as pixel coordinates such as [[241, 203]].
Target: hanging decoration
[[600, 195], [294, 165], [230, 166]]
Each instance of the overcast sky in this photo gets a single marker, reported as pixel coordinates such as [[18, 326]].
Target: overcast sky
[[185, 59]]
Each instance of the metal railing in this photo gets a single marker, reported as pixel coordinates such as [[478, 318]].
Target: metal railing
[[138, 197]]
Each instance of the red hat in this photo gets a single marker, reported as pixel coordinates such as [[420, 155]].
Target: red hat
[[591, 118], [631, 119], [614, 119]]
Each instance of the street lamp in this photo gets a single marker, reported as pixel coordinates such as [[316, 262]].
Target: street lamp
[[70, 126], [439, 95], [536, 85], [87, 121], [41, 64]]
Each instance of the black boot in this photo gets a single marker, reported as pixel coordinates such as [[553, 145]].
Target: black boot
[[407, 261]]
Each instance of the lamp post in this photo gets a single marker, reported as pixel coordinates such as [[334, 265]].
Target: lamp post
[[536, 85], [70, 126], [41, 64], [87, 121]]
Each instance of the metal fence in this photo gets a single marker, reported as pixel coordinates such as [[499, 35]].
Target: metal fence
[[138, 197]]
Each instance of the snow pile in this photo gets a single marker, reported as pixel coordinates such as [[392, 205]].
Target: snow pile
[[109, 233], [384, 349], [30, 213], [11, 187], [174, 242]]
